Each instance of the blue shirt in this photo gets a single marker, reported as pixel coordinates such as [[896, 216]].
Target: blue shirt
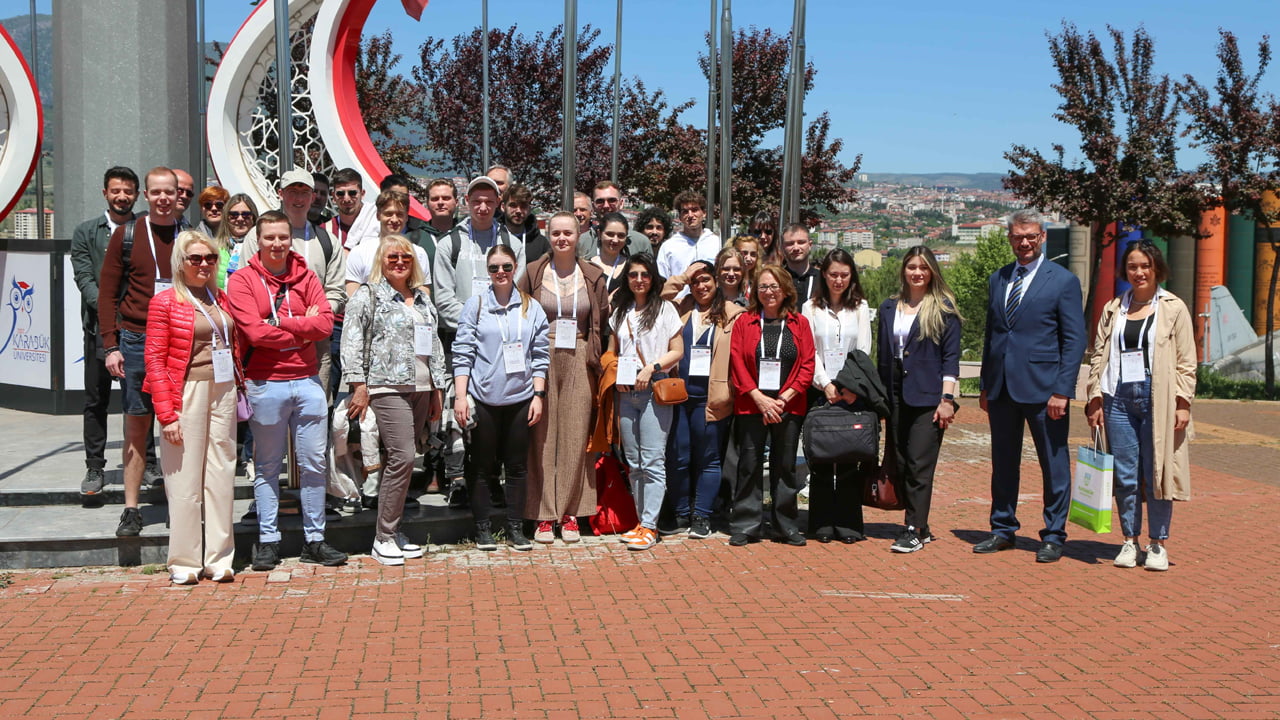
[[477, 350]]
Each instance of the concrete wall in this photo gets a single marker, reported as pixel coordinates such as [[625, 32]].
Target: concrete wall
[[122, 71]]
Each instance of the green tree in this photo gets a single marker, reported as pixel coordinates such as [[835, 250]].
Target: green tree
[[968, 277]]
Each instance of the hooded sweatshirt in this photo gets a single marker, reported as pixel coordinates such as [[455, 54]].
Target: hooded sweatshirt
[[280, 352]]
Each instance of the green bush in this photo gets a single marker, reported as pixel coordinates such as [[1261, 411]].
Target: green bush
[[1210, 384]]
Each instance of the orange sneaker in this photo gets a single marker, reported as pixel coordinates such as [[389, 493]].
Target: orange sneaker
[[645, 540], [630, 535]]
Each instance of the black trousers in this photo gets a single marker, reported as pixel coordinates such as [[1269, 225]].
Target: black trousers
[[916, 441], [835, 499], [97, 399], [751, 433], [499, 442]]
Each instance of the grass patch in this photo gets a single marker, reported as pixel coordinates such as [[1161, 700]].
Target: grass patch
[[151, 569], [6, 579]]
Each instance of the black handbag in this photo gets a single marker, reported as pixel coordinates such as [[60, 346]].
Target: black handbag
[[839, 434]]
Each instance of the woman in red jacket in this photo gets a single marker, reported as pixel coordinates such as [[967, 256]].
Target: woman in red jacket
[[771, 365], [191, 376]]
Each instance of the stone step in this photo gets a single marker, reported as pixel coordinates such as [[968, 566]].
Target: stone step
[[112, 494], [48, 536]]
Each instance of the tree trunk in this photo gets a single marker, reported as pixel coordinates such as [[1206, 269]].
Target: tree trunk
[[1269, 344]]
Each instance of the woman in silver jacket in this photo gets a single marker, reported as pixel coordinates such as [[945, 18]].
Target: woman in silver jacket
[[393, 360]]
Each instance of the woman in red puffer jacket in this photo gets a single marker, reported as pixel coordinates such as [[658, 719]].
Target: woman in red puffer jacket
[[191, 375]]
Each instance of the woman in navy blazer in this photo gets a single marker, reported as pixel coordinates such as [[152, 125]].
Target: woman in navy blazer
[[918, 356]]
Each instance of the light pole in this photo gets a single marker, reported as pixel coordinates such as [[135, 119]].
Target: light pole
[[726, 119], [284, 86], [570, 109], [617, 93]]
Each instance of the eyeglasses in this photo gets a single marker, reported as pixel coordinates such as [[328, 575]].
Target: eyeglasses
[[184, 192], [399, 257], [197, 260], [638, 275], [213, 206], [345, 193], [240, 215], [768, 288], [504, 267], [606, 201], [1024, 236]]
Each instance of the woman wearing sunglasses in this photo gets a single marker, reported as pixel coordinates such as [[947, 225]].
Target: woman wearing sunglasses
[[572, 294], [191, 375], [240, 218], [212, 200], [500, 359], [394, 362]]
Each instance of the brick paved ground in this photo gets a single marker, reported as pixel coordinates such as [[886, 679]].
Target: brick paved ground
[[697, 629]]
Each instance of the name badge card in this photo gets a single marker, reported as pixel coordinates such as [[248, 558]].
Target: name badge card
[[224, 369], [628, 368], [833, 361], [162, 285], [422, 339], [566, 334], [513, 356], [770, 374], [1132, 368], [700, 361]]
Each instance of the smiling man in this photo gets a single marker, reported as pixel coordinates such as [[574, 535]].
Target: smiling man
[[522, 224], [356, 220], [134, 268], [606, 197]]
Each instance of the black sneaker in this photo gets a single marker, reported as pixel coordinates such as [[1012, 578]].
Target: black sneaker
[[458, 497], [266, 557], [516, 538], [92, 483], [320, 553], [681, 524], [700, 527], [130, 523], [908, 542], [242, 468], [151, 476], [484, 537]]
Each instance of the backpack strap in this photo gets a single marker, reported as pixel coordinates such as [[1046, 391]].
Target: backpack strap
[[456, 237], [126, 259], [326, 243]]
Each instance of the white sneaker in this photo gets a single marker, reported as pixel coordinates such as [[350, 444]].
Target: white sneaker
[[183, 578], [1157, 558], [224, 575], [387, 553], [408, 548], [1128, 556]]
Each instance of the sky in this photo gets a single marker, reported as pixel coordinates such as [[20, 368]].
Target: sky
[[916, 87]]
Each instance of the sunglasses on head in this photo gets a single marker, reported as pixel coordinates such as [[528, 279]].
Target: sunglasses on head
[[217, 205], [197, 260], [240, 214], [504, 267]]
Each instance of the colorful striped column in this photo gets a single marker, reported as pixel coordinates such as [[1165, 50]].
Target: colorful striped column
[[1240, 241], [1264, 257], [1211, 267], [1182, 268], [1105, 286]]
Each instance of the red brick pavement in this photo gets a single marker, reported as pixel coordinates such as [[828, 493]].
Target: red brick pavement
[[691, 630]]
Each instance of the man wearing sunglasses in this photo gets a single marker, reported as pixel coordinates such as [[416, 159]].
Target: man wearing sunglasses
[[606, 198], [186, 193], [125, 289], [356, 220]]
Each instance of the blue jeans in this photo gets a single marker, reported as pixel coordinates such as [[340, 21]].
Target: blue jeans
[[282, 408], [132, 350], [1128, 417], [644, 425], [693, 458]]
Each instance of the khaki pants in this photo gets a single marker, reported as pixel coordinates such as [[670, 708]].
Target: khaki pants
[[199, 479]]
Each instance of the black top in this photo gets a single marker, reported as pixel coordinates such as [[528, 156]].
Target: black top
[[789, 353], [1135, 338]]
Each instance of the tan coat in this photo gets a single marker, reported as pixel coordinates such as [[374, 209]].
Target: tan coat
[[1173, 376], [719, 389]]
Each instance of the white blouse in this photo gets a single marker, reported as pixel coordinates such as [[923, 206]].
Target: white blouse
[[845, 330]]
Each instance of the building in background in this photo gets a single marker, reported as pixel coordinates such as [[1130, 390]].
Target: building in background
[[24, 223]]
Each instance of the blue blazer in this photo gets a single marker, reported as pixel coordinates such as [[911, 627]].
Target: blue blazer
[[924, 362], [1039, 353]]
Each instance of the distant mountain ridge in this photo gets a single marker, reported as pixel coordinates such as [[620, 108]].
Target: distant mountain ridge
[[975, 181]]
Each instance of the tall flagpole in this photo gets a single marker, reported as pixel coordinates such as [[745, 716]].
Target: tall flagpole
[[711, 113], [570, 108], [797, 120], [35, 62], [789, 210], [617, 93], [726, 120], [484, 82], [284, 86]]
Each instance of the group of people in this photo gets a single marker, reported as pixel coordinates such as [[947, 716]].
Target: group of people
[[696, 358]]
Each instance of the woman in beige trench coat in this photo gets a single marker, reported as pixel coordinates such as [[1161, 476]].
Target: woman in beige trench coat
[[1142, 378]]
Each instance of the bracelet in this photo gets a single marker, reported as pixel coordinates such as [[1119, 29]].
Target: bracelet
[[540, 393], [108, 351]]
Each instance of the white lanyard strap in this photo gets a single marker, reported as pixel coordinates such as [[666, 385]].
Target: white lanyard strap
[[777, 351], [577, 284], [1142, 334], [698, 329], [271, 299], [225, 337], [151, 240], [506, 331]]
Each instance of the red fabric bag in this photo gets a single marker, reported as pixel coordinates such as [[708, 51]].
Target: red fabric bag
[[615, 507]]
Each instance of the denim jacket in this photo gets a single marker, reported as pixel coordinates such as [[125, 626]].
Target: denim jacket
[[377, 338]]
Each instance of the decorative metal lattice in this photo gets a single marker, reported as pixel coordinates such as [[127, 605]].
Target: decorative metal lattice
[[5, 121], [258, 119]]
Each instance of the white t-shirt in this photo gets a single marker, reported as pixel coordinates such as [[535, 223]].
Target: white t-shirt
[[654, 342], [678, 252], [360, 261]]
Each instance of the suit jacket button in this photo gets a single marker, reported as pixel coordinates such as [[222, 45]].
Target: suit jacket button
[[906, 353]]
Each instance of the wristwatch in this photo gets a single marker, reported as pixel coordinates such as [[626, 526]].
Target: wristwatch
[[948, 396], [540, 393], [657, 367]]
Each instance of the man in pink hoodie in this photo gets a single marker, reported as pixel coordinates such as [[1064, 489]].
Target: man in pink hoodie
[[280, 310]]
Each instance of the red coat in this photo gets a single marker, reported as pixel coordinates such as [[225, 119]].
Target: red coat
[[170, 337], [744, 366]]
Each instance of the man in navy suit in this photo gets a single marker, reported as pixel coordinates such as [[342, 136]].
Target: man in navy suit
[[1035, 339]]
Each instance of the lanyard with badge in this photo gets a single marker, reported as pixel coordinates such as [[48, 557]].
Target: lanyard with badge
[[423, 333], [833, 353], [512, 345], [224, 368], [771, 368], [567, 327], [700, 353], [162, 284], [273, 304], [479, 273], [1133, 363], [629, 364]]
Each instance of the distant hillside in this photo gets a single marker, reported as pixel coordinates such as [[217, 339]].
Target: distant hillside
[[976, 181], [19, 28]]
